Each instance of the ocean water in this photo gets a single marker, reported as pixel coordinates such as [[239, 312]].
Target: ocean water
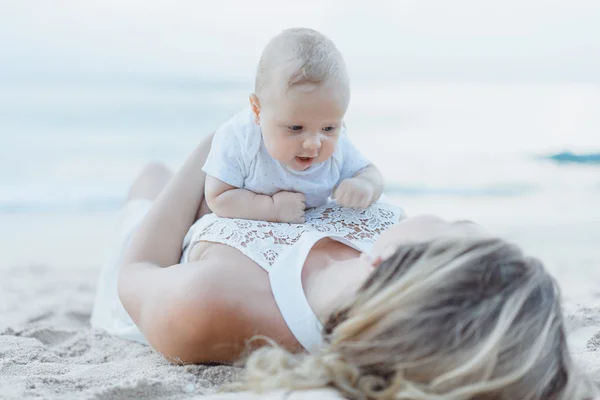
[[74, 145]]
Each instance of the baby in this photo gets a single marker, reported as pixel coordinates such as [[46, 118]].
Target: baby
[[289, 151]]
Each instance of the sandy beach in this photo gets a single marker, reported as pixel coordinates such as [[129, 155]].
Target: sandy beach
[[485, 111], [48, 270], [47, 349]]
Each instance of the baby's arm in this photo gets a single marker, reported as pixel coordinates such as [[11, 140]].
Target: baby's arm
[[362, 190], [361, 182], [373, 178], [232, 202]]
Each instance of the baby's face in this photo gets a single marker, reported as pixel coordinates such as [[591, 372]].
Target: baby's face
[[301, 125]]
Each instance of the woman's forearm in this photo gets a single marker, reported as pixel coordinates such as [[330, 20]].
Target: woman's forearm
[[160, 236]]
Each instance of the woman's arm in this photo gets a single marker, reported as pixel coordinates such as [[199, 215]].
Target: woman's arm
[[194, 312], [160, 236], [151, 294]]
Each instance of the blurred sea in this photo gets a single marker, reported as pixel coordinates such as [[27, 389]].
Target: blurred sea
[[74, 145]]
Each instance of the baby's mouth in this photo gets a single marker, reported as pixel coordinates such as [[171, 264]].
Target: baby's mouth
[[305, 162]]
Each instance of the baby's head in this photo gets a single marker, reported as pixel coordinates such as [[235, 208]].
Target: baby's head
[[301, 95]]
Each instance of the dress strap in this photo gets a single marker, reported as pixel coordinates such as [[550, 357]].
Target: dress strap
[[286, 284]]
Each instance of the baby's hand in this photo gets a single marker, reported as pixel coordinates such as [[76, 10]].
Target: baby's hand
[[354, 193], [289, 207]]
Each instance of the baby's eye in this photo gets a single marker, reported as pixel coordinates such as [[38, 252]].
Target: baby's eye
[[295, 128], [329, 129]]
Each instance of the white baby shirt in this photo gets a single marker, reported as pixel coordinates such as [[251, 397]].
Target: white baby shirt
[[239, 158]]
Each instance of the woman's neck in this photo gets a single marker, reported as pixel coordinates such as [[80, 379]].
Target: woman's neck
[[331, 275]]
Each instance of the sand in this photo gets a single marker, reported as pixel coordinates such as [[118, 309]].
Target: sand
[[49, 351]]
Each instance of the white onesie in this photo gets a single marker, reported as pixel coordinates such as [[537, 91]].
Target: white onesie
[[239, 158]]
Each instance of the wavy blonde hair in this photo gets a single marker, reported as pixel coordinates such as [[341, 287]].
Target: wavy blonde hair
[[451, 319]]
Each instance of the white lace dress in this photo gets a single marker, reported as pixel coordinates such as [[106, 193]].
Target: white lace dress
[[263, 242]]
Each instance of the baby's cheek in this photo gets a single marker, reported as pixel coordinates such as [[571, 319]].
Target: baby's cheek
[[279, 148], [328, 148]]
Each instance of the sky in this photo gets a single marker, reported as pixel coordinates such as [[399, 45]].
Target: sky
[[400, 40]]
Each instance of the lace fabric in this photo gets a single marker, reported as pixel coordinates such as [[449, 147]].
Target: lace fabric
[[263, 242]]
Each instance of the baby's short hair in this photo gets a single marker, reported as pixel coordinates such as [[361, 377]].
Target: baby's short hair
[[315, 57]]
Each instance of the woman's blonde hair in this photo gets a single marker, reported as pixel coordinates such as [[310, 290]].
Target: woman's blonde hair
[[468, 318]]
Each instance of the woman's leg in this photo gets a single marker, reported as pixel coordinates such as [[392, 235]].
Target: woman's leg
[[155, 176], [108, 313]]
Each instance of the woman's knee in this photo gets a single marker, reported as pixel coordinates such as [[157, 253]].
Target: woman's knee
[[151, 180]]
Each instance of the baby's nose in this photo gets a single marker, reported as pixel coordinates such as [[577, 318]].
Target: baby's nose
[[313, 142]]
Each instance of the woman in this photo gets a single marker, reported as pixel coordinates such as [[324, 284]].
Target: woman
[[433, 310]]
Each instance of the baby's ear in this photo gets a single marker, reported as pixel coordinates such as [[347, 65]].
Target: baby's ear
[[255, 105]]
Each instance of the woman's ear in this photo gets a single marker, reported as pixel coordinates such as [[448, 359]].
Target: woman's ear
[[255, 105], [372, 261], [376, 259]]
